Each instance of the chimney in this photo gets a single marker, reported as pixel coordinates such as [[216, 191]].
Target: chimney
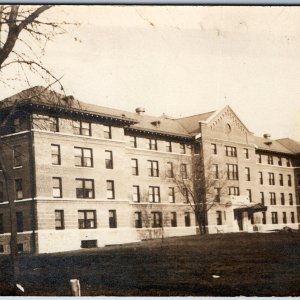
[[267, 137], [140, 110]]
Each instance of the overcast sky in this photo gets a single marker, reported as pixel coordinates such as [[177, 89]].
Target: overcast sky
[[184, 60]]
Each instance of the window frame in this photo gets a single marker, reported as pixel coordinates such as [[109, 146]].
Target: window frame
[[154, 194], [157, 219], [136, 191], [17, 156], [80, 129], [110, 190], [82, 158], [230, 151], [107, 132], [152, 144], [59, 187], [112, 218], [55, 154], [134, 167], [59, 217], [109, 160], [86, 220], [153, 168], [84, 189], [19, 188]]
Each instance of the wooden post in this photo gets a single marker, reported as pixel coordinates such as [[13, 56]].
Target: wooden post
[[75, 287]]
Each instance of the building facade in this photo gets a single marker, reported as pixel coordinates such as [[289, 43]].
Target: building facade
[[82, 175]]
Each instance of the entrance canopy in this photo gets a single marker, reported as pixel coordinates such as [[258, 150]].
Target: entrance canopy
[[250, 209]]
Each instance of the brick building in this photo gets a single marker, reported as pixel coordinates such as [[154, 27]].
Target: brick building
[[83, 175]]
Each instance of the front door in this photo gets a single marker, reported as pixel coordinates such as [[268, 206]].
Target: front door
[[239, 218]]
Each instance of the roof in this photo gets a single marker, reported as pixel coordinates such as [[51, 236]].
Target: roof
[[191, 123], [274, 145], [290, 144]]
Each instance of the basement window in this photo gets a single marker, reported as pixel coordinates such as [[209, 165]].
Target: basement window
[[89, 244]]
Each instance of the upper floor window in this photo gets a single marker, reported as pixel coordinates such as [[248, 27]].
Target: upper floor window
[[152, 144], [219, 217], [247, 173], [17, 151], [20, 225], [213, 148], [282, 200], [110, 189], [19, 189], [279, 161], [291, 199], [270, 160], [133, 141], [109, 164], [112, 218], [171, 194], [87, 219], [170, 172], [85, 188], [215, 171], [289, 180], [246, 153], [134, 167], [187, 219], [284, 220], [56, 187], [173, 219], [169, 146], [138, 219], [261, 179], [55, 154], [17, 125], [182, 148], [217, 194], [272, 198], [280, 179], [259, 158], [230, 151], [153, 170], [234, 190], [271, 179], [1, 224], [82, 128], [292, 217], [232, 172], [59, 219], [156, 219], [288, 162], [154, 194], [107, 132], [298, 179], [83, 157], [264, 218], [1, 191], [54, 124], [136, 193], [274, 217], [249, 192], [183, 171], [262, 198], [185, 193]]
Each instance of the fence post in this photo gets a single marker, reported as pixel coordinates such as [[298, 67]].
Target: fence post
[[75, 287]]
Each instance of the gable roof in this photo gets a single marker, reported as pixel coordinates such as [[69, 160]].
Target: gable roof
[[290, 144], [274, 145]]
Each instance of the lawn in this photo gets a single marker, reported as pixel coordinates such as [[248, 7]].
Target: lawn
[[254, 264]]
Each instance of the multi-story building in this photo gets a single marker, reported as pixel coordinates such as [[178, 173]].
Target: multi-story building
[[82, 175]]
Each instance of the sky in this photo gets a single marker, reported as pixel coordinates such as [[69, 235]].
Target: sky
[[183, 60]]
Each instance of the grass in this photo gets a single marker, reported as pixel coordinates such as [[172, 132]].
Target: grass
[[248, 264]]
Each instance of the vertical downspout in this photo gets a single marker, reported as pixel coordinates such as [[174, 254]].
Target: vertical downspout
[[33, 184]]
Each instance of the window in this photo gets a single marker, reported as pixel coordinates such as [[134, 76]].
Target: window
[[107, 132], [292, 217], [110, 190], [264, 219], [249, 194], [234, 190], [85, 188], [138, 219], [18, 189], [173, 219], [262, 198], [134, 167], [270, 160], [298, 179], [83, 157], [219, 217], [136, 193], [1, 224], [272, 198], [170, 172], [185, 194], [169, 146], [156, 219], [56, 187], [290, 199], [54, 125], [213, 148], [261, 179], [232, 172], [274, 217], [154, 194], [284, 221], [230, 151], [182, 148], [215, 171], [17, 151], [171, 194], [109, 159], [87, 219], [271, 179], [112, 218], [133, 141], [55, 154], [20, 225], [17, 125], [59, 220], [246, 153], [279, 161], [153, 168], [280, 179], [1, 191], [289, 180], [247, 173], [288, 162], [282, 200], [197, 148], [1, 249], [82, 128], [20, 248], [183, 171], [152, 144], [187, 219], [217, 194], [259, 158]]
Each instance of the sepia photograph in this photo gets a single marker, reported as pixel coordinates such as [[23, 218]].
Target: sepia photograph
[[149, 150]]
